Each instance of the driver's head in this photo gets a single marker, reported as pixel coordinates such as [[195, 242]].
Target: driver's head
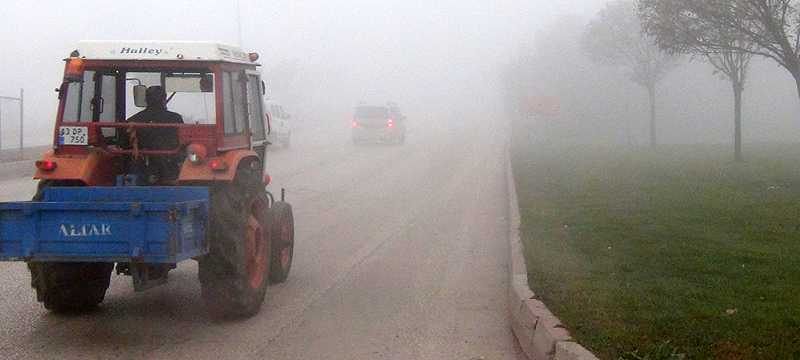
[[156, 96]]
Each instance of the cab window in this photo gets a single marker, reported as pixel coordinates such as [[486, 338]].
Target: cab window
[[255, 107], [235, 103], [95, 97], [77, 106], [187, 96]]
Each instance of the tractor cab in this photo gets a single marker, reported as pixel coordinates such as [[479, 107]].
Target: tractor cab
[[212, 105]]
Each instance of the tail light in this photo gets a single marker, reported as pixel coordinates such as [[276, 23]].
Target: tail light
[[267, 179], [217, 164], [390, 123], [354, 124], [46, 165]]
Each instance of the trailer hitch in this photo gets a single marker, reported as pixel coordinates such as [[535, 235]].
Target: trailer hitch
[[145, 276]]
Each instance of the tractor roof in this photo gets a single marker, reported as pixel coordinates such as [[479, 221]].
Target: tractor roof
[[162, 50]]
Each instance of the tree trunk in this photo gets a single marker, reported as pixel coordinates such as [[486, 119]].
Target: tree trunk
[[651, 90], [797, 82], [737, 121]]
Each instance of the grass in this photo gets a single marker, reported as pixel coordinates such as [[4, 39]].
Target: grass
[[668, 254]]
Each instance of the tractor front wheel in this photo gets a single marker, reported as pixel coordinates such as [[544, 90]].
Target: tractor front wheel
[[282, 239]]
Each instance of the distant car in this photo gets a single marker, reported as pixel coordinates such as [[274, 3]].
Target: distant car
[[380, 123], [280, 126]]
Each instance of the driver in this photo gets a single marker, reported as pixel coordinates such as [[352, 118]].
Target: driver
[[156, 113], [157, 168]]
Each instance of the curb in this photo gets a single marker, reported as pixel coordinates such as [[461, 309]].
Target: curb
[[541, 334]]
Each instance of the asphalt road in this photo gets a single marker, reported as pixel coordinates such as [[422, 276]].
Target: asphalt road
[[401, 253]]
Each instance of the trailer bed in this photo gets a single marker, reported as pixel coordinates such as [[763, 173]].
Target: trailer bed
[[165, 224]]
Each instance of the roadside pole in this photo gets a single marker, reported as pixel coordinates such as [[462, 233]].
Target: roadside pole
[[1, 125], [21, 121]]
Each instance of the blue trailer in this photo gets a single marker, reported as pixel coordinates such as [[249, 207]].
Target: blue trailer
[[140, 227], [107, 224]]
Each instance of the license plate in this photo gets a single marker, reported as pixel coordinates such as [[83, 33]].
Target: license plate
[[73, 135]]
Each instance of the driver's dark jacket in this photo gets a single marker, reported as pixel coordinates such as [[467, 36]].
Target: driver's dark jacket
[[157, 139], [165, 167]]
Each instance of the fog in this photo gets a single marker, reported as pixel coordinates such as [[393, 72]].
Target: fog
[[426, 56], [403, 249], [438, 61], [599, 104]]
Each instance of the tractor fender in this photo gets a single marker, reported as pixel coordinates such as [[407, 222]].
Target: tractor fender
[[93, 168], [203, 172]]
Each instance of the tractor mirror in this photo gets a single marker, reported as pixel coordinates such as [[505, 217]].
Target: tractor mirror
[[139, 95]]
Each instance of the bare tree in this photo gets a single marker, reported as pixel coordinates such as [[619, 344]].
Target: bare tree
[[734, 65], [615, 38], [770, 28]]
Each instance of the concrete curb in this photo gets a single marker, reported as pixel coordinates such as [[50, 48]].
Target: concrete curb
[[541, 334]]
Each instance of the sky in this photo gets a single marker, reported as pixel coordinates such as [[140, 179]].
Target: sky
[[346, 51]]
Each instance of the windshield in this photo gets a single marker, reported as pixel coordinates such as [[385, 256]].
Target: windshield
[[95, 97]]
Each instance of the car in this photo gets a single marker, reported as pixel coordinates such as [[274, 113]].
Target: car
[[139, 182], [378, 123], [280, 126]]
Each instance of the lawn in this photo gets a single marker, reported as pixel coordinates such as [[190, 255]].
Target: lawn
[[668, 253]]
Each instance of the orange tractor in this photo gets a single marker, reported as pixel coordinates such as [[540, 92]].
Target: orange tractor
[[159, 156]]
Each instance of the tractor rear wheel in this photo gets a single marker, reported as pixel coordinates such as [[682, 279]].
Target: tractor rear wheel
[[68, 287], [234, 275], [282, 239]]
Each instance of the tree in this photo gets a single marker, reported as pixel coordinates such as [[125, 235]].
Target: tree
[[734, 65], [615, 38], [769, 28]]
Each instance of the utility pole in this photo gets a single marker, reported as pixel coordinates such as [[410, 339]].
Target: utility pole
[[1, 125], [21, 118], [239, 20]]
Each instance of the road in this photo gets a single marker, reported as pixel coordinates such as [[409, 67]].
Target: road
[[401, 253]]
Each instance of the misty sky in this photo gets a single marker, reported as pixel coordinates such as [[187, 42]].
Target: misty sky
[[366, 48]]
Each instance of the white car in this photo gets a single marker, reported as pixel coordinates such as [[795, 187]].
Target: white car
[[280, 129]]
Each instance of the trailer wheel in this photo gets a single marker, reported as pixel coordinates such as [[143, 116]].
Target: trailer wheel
[[234, 275], [68, 287], [282, 239]]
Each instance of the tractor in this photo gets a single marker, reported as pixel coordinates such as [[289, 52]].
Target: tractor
[[159, 156]]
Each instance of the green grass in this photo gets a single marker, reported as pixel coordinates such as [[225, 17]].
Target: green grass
[[666, 254]]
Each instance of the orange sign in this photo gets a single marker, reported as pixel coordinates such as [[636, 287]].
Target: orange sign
[[543, 105]]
